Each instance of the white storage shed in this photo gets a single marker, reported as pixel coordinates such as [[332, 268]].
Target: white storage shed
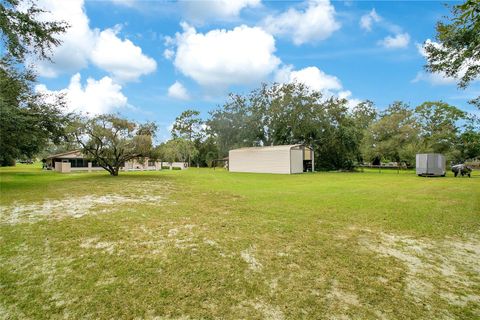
[[430, 164], [285, 159]]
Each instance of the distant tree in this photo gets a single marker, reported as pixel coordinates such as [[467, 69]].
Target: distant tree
[[229, 125], [439, 127], [209, 157], [469, 139], [394, 136], [188, 125], [457, 53], [207, 151], [177, 149], [363, 114], [111, 141]]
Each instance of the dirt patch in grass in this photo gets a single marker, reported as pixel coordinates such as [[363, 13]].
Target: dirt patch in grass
[[150, 242], [341, 296], [74, 207], [448, 269], [268, 312], [248, 256]]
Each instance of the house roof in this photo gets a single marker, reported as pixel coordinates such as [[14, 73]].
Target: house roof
[[75, 153], [268, 148]]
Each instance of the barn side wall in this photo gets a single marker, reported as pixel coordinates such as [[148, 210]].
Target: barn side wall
[[259, 161]]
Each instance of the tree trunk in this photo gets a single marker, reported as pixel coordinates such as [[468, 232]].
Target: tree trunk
[[113, 171]]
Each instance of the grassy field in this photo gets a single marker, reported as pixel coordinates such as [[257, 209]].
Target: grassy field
[[204, 244]]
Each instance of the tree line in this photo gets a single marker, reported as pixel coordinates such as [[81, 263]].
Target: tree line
[[341, 136]]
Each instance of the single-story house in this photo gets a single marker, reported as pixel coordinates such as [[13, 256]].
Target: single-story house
[[284, 159], [76, 161], [69, 161]]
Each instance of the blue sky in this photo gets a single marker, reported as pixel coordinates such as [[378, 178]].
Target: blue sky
[[150, 60]]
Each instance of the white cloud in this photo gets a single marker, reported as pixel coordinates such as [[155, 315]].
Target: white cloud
[[315, 23], [434, 78], [168, 54], [95, 97], [124, 60], [399, 41], [77, 41], [81, 45], [312, 77], [200, 10], [317, 80], [222, 57], [178, 91], [367, 20]]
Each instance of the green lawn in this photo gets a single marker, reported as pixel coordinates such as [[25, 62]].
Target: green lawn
[[204, 244]]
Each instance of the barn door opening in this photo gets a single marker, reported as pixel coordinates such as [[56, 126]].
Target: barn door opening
[[307, 159]]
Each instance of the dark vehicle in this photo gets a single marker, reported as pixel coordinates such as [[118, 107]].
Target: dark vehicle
[[26, 161], [462, 169]]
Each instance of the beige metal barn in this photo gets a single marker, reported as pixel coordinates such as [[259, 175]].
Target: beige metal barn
[[285, 159]]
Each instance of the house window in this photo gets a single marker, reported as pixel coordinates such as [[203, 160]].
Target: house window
[[151, 163]]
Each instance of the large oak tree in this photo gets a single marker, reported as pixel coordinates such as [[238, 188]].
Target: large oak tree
[[111, 141]]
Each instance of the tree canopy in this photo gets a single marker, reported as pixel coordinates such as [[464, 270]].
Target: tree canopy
[[23, 33], [111, 141], [457, 52], [29, 120], [188, 125], [177, 149]]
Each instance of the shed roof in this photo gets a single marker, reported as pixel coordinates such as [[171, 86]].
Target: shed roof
[[268, 148]]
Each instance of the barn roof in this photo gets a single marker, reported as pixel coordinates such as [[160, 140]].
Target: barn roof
[[268, 148]]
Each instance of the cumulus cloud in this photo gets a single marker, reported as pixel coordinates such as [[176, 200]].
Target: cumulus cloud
[[220, 57], [312, 77], [317, 80], [77, 42], [317, 22], [201, 10], [398, 41], [178, 91], [81, 45], [95, 97], [367, 20], [124, 60]]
